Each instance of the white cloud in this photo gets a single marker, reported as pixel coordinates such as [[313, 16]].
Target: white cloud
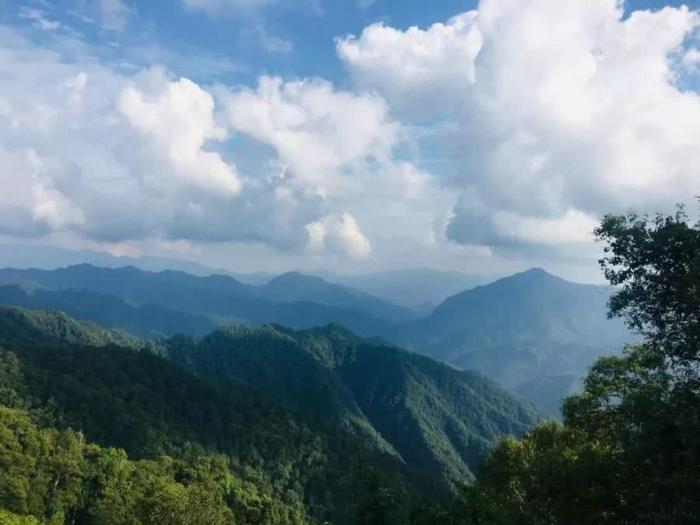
[[39, 19], [565, 110], [422, 72], [33, 200], [273, 43], [691, 58], [339, 233], [126, 158], [176, 119], [322, 135]]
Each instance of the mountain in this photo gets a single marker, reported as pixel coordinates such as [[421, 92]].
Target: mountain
[[220, 298], [19, 326], [294, 287], [52, 257], [71, 375], [424, 424], [532, 332], [150, 321], [419, 288], [440, 421]]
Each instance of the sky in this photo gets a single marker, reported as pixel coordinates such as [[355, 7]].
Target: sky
[[346, 135]]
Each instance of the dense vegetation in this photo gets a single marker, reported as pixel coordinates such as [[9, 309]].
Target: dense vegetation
[[149, 407], [628, 451], [438, 420], [55, 476], [316, 425]]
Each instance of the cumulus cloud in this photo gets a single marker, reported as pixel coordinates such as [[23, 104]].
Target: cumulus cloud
[[339, 233], [421, 71], [321, 134], [126, 158], [176, 119], [565, 110], [34, 197]]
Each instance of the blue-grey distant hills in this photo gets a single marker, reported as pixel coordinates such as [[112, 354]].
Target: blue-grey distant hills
[[292, 300], [420, 289], [532, 332]]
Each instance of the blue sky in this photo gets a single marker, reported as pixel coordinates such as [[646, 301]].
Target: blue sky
[[267, 134]]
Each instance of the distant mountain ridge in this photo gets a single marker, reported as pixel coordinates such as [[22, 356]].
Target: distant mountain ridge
[[295, 286], [419, 289], [532, 332], [149, 321], [521, 330], [221, 298]]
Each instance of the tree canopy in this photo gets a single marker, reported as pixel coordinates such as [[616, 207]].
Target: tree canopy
[[628, 450]]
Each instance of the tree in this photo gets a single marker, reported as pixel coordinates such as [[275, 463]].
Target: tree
[[656, 263], [628, 451]]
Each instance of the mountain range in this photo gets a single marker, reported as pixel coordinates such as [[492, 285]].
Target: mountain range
[[293, 410], [532, 332], [419, 288]]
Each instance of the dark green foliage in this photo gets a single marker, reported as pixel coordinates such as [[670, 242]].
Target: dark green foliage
[[657, 265], [291, 410], [438, 420], [142, 403], [54, 476], [26, 327], [628, 451]]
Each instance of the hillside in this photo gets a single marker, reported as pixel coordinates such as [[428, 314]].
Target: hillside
[[51, 367], [19, 326], [149, 321], [422, 423], [439, 420], [532, 332]]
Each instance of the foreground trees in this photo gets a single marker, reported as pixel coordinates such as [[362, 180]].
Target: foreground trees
[[628, 451]]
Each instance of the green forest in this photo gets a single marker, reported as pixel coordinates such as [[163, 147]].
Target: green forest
[[276, 426]]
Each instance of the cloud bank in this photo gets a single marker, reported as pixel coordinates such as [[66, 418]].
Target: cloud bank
[[507, 130], [564, 110]]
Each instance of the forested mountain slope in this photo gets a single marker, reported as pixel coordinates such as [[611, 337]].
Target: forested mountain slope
[[150, 320], [439, 420], [143, 403], [306, 417], [534, 333]]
